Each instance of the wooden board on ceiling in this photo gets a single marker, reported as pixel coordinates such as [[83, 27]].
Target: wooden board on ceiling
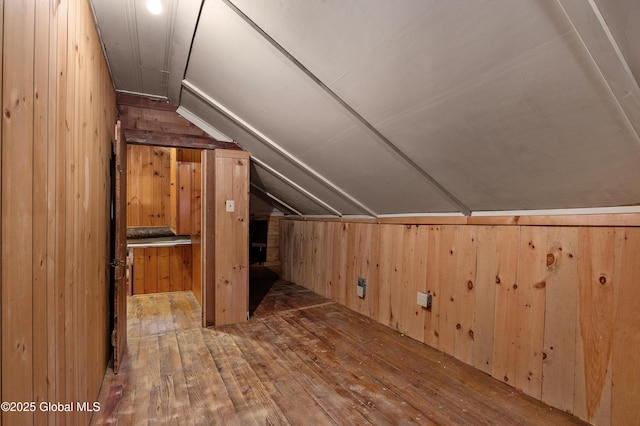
[[151, 122]]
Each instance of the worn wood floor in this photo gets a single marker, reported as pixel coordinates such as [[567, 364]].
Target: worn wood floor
[[302, 360]]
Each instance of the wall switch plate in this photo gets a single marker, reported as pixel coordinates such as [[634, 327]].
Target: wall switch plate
[[230, 206], [362, 286], [424, 300]]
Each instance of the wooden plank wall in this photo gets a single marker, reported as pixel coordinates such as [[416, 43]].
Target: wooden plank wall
[[58, 117], [185, 193], [225, 237], [1, 186], [162, 269], [148, 184], [550, 310]]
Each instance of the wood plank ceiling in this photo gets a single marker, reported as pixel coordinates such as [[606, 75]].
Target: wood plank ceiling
[[377, 108]]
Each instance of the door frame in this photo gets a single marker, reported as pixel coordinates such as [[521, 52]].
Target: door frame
[[118, 263]]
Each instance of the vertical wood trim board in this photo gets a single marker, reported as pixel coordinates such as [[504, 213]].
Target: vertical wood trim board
[[196, 273], [506, 281], [485, 295], [1, 186], [208, 239], [58, 112], [626, 335], [17, 208], [173, 190], [550, 310], [61, 166], [40, 204], [561, 316]]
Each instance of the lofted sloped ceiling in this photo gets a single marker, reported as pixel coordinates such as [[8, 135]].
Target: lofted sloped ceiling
[[372, 107]]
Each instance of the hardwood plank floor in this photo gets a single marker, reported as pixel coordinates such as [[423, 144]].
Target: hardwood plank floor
[[161, 313], [301, 359]]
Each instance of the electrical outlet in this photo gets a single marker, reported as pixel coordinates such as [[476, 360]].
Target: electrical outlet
[[424, 300], [362, 285]]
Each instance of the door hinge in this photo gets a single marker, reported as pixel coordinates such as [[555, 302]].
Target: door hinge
[[115, 263]]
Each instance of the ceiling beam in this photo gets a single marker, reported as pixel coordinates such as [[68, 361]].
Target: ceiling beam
[[399, 153], [142, 100], [146, 137], [268, 197], [147, 121], [599, 42], [275, 147]]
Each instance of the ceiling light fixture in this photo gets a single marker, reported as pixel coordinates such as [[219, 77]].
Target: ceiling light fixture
[[154, 6]]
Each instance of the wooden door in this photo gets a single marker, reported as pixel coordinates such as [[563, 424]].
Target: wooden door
[[119, 336]]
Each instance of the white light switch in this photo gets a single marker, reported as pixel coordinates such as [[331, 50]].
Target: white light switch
[[230, 205]]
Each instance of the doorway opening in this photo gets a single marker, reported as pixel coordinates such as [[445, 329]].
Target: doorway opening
[[163, 239], [264, 255]]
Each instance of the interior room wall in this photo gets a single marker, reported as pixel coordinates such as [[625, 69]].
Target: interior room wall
[[148, 183], [58, 117], [549, 310]]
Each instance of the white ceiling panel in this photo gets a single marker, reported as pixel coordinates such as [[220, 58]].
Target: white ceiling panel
[[374, 107], [623, 19], [357, 161], [147, 52], [543, 132], [258, 206], [266, 154], [120, 43], [353, 160], [385, 57], [287, 107], [233, 64], [153, 35], [270, 183], [186, 18], [481, 95]]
